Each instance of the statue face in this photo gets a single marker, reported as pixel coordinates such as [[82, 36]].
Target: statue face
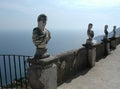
[[114, 27], [42, 23], [90, 26], [106, 26]]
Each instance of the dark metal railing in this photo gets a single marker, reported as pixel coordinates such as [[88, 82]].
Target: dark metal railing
[[13, 71]]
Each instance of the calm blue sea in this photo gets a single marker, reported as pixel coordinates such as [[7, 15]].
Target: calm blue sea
[[20, 42]]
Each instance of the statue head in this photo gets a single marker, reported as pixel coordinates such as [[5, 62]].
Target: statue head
[[42, 20], [106, 27], [90, 25], [114, 27]]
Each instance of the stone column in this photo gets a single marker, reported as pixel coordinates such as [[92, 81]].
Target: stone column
[[91, 53], [91, 56], [113, 43], [106, 46], [113, 39], [42, 77]]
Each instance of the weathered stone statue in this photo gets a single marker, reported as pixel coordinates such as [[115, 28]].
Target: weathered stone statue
[[105, 31], [114, 31], [40, 37], [90, 34]]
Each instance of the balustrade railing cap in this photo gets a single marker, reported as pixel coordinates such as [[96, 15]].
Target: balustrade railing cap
[[42, 62]]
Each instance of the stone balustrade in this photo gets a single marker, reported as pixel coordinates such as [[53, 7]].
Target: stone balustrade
[[50, 72]]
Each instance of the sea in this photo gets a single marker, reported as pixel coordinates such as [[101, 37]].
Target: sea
[[20, 41]]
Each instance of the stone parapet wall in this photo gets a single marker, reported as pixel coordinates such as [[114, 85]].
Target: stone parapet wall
[[68, 63]]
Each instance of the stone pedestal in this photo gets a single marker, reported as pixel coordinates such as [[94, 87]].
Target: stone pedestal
[[113, 43], [106, 46], [91, 57], [42, 77], [91, 53]]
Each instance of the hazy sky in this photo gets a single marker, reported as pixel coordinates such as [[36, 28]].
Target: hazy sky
[[62, 14]]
